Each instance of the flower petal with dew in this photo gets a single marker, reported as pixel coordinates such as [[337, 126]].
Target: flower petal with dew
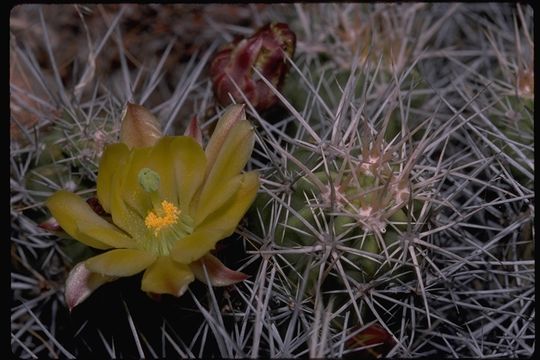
[[170, 202]]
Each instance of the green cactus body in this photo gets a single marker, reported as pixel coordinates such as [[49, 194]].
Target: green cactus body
[[359, 208], [39, 180], [515, 120], [51, 151]]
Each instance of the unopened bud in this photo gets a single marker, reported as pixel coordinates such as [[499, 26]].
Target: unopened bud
[[265, 50]]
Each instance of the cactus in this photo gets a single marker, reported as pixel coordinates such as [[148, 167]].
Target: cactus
[[360, 196], [394, 145]]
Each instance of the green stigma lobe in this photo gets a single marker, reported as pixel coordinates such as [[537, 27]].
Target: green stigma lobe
[[149, 180]]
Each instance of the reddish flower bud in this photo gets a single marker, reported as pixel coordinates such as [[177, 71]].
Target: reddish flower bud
[[265, 50]]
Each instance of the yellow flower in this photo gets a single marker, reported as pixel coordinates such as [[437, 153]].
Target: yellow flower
[[170, 203]]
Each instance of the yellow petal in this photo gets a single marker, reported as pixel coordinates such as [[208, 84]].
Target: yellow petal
[[226, 218], [125, 216], [189, 162], [230, 161], [139, 127], [218, 274], [233, 114], [132, 193], [216, 199], [107, 233], [114, 157], [166, 276], [195, 245], [78, 220], [218, 225], [161, 160], [120, 262], [235, 151]]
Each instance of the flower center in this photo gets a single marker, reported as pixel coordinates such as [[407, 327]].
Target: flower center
[[169, 216], [165, 222]]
